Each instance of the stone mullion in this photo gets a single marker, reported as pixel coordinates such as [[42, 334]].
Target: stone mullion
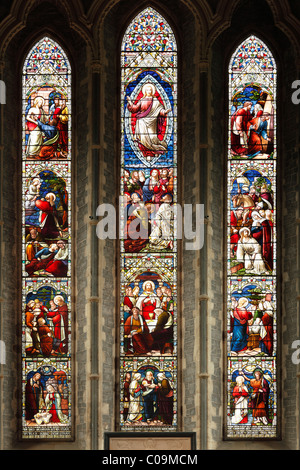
[[2, 343], [203, 259], [94, 258]]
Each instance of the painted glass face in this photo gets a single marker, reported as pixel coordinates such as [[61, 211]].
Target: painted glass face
[[46, 243], [148, 247], [251, 244]]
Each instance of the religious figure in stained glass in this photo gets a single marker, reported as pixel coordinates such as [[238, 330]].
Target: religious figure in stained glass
[[252, 244], [46, 103], [150, 115], [46, 234], [148, 249]]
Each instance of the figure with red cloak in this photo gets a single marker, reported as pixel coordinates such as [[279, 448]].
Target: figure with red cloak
[[239, 127], [240, 396], [148, 301], [261, 231], [136, 330], [48, 217], [53, 401], [148, 122], [58, 324], [62, 310]]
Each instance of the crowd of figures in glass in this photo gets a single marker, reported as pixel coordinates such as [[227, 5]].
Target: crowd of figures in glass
[[46, 242], [148, 307], [251, 243]]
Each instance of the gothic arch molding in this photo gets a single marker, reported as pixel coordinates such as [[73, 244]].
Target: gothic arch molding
[[18, 20]]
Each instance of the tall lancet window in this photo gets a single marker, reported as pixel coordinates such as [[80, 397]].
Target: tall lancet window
[[148, 248], [252, 398], [46, 243]]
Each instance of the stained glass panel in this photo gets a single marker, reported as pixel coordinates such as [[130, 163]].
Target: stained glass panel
[[46, 244], [148, 246], [252, 404]]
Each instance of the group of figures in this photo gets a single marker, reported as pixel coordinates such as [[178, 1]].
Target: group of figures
[[251, 326], [251, 395], [46, 220], [46, 331], [148, 201], [252, 229], [148, 247], [47, 397], [148, 320], [252, 244], [46, 261], [250, 129], [47, 133], [148, 398]]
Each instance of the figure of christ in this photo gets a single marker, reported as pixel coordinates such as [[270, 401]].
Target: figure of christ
[[150, 115], [258, 134], [148, 301], [150, 387]]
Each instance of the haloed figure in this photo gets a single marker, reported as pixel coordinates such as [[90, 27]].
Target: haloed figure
[[150, 116]]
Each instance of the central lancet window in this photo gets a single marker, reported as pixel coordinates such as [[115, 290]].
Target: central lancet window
[[148, 248]]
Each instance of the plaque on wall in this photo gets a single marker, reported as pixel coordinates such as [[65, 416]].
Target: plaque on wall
[[150, 441]]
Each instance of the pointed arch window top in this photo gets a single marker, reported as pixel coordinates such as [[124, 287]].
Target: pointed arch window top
[[252, 56], [46, 57], [149, 31]]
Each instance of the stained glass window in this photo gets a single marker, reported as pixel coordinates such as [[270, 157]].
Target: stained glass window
[[252, 397], [46, 243], [148, 247]]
